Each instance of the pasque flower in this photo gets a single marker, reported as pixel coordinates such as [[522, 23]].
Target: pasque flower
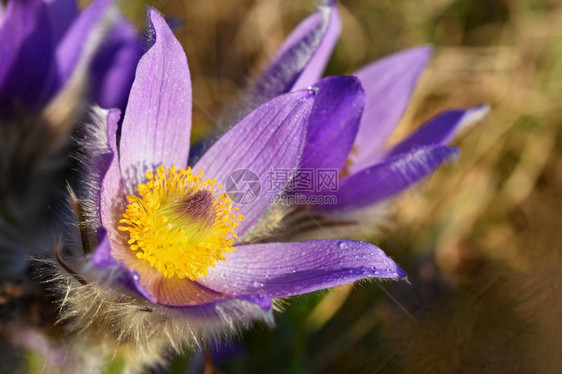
[[54, 60], [350, 125], [175, 259], [46, 43]]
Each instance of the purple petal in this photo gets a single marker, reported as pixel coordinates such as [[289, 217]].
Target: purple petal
[[388, 85], [271, 137], [287, 269], [439, 130], [96, 159], [123, 268], [383, 180], [25, 39], [301, 59], [113, 68], [171, 292], [80, 34], [157, 121], [316, 65], [187, 294], [112, 197], [117, 272], [61, 15], [103, 259], [102, 255], [333, 122], [223, 308]]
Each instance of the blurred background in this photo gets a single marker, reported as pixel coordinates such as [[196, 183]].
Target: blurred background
[[480, 239]]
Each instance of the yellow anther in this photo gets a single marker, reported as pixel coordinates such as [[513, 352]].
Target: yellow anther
[[179, 224]]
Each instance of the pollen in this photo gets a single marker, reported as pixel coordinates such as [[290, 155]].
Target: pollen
[[179, 223]]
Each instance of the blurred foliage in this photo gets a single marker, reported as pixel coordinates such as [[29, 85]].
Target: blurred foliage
[[480, 240]]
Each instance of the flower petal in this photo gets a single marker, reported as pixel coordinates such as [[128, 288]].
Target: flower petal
[[172, 292], [112, 197], [113, 68], [61, 15], [385, 179], [97, 152], [287, 269], [157, 122], [315, 67], [301, 59], [439, 130], [76, 39], [333, 122], [25, 38], [388, 85], [271, 137], [116, 272], [102, 255]]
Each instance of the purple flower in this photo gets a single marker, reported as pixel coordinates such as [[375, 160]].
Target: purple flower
[[53, 62], [45, 43], [177, 259], [351, 123]]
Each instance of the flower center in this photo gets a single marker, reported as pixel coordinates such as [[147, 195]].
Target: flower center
[[179, 224]]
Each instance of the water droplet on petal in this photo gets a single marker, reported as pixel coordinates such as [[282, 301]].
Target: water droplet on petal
[[343, 245]]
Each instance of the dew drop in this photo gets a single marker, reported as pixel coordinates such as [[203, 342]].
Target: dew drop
[[343, 245]]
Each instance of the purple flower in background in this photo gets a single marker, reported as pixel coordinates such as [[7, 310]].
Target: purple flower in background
[[44, 43], [351, 122], [177, 259], [54, 61]]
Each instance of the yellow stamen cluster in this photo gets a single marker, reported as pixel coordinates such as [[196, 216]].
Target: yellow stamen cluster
[[179, 224]]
